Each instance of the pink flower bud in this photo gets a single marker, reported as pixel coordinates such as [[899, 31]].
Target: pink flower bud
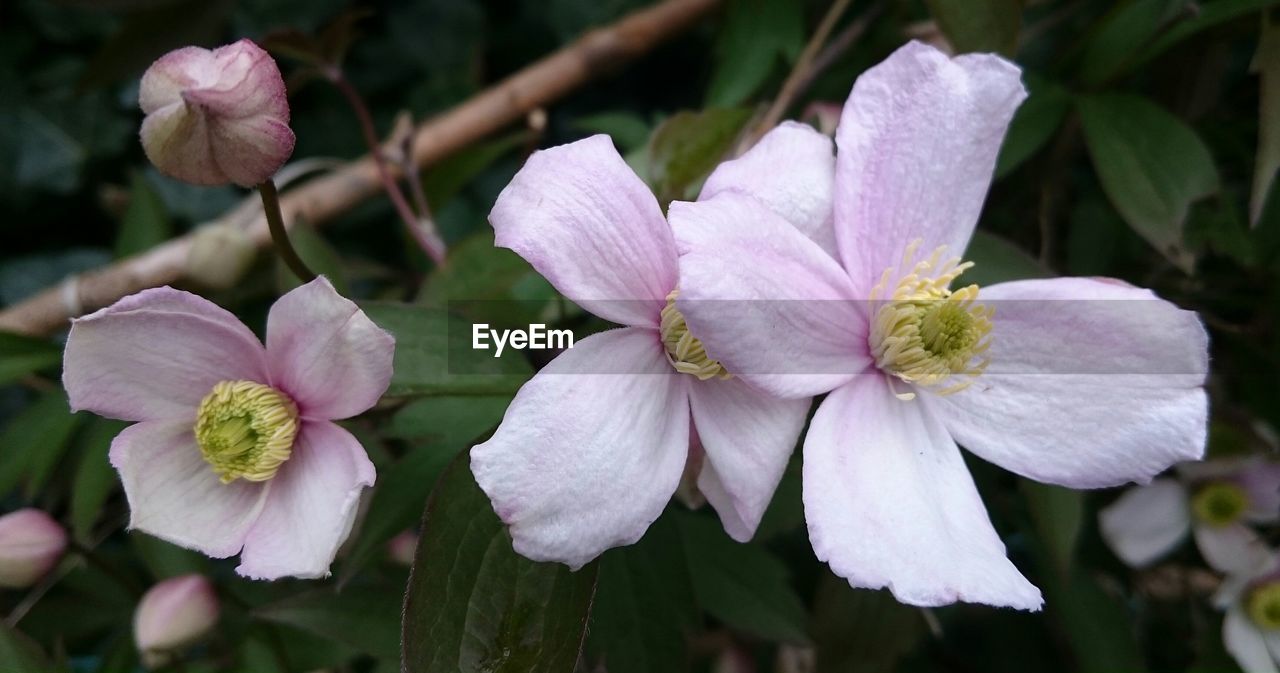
[[215, 117], [173, 614], [401, 547], [31, 543]]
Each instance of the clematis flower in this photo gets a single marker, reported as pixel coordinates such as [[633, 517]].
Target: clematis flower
[[1074, 381], [1251, 628], [1217, 500], [234, 446], [593, 447], [216, 116]]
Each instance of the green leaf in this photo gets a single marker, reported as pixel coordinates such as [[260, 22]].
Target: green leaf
[[629, 130], [1206, 15], [756, 36], [146, 220], [1035, 122], [447, 178], [366, 618], [319, 256], [1123, 30], [450, 422], [21, 355], [645, 607], [996, 260], [34, 441], [20, 654], [434, 354], [488, 284], [861, 630], [166, 560], [742, 585], [1152, 167], [94, 479], [1098, 628], [1267, 64], [474, 605], [687, 147], [979, 25], [1058, 514], [150, 32], [49, 157]]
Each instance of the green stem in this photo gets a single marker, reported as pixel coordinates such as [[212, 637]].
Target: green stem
[[280, 237]]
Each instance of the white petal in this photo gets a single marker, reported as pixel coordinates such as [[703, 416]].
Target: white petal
[[1246, 643], [1146, 522], [1234, 548]]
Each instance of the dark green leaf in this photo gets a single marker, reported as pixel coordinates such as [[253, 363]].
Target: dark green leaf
[[488, 284], [447, 178], [21, 355], [1206, 15], [450, 422], [1098, 627], [742, 585], [19, 654], [48, 158], [147, 34], [34, 441], [166, 560], [319, 256], [146, 221], [979, 25], [1120, 33], [687, 146], [94, 480], [1036, 121], [1151, 165], [474, 605], [1267, 64], [366, 618], [861, 630], [1058, 514], [757, 36], [628, 130], [996, 260]]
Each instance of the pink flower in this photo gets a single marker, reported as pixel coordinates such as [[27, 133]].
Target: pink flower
[[31, 543], [173, 614], [593, 447], [214, 117], [234, 448], [1251, 628], [1215, 500], [1072, 381]]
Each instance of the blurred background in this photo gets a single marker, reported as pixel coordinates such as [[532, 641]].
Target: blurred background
[[1146, 152]]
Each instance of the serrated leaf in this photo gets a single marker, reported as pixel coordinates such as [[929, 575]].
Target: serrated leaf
[[34, 440], [21, 355], [94, 480], [885, 630], [365, 618], [1152, 167], [474, 605], [979, 25], [146, 220], [687, 146], [742, 585]]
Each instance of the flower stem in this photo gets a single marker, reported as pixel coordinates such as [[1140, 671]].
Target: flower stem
[[421, 227], [280, 237]]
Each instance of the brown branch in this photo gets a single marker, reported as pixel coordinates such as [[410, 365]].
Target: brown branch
[[597, 53]]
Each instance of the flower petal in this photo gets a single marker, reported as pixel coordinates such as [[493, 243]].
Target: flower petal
[[1261, 480], [917, 145], [1246, 643], [174, 495], [766, 301], [311, 506], [791, 171], [155, 355], [1091, 384], [747, 436], [589, 224], [1146, 522], [584, 462], [1234, 548], [890, 503], [326, 353]]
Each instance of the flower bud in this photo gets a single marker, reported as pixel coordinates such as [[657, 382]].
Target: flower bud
[[215, 117], [31, 543], [402, 547], [173, 614]]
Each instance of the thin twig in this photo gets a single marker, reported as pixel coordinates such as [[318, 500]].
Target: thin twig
[[279, 236]]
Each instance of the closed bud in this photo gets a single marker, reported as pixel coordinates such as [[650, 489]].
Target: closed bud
[[172, 615], [214, 117], [31, 543], [401, 547]]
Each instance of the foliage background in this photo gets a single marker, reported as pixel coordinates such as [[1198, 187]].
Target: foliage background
[[1134, 157]]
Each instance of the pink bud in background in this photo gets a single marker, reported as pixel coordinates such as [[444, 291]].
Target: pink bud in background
[[31, 543], [401, 547], [173, 614], [217, 116]]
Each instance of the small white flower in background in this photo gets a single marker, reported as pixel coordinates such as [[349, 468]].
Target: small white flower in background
[[1251, 628], [31, 543], [173, 614], [1216, 501]]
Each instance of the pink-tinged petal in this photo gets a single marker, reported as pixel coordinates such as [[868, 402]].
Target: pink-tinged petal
[[1233, 548], [890, 503], [249, 150], [1091, 384], [1261, 480], [155, 355], [326, 353], [589, 224], [310, 507], [1146, 522], [1246, 643], [917, 145], [791, 171], [583, 461], [163, 83], [748, 436], [174, 495], [249, 83], [766, 301], [178, 141]]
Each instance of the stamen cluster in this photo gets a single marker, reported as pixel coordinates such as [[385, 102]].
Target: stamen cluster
[[246, 430]]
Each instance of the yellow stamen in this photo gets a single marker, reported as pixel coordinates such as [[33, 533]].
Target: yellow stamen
[[923, 332], [1264, 605], [1219, 503], [684, 351], [246, 430]]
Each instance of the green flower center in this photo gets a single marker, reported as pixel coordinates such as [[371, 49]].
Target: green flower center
[[1219, 503], [923, 332], [246, 430], [684, 351], [1264, 605]]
